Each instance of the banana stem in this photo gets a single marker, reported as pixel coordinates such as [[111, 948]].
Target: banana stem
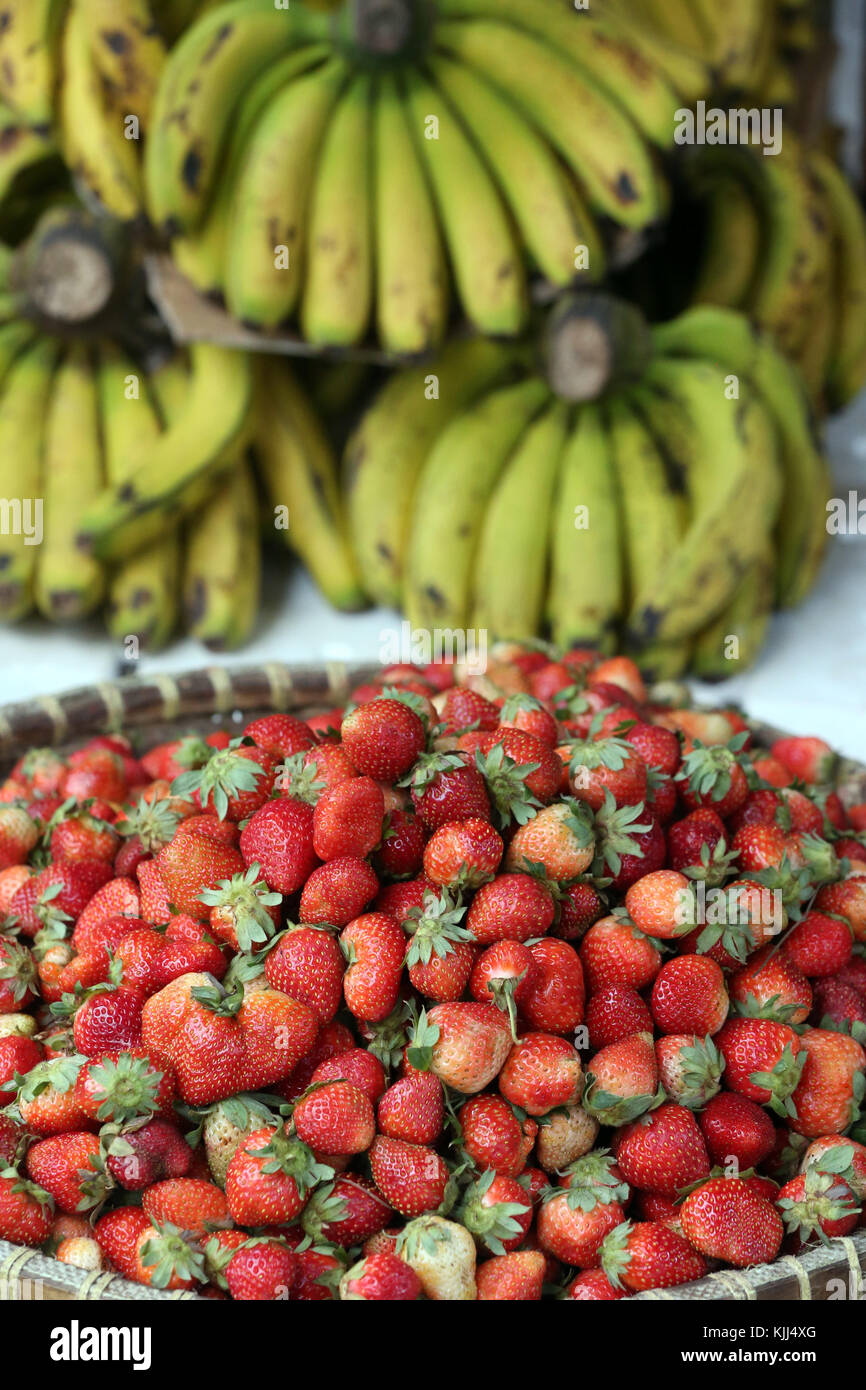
[[592, 342], [67, 272], [382, 27]]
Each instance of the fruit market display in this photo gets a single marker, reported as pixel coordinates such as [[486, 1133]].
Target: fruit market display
[[514, 504], [417, 998]]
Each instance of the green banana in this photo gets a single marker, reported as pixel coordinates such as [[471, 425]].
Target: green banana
[[412, 292], [142, 590], [594, 136], [338, 288], [586, 595], [14, 338], [462, 471], [300, 477], [267, 247], [847, 367], [688, 73], [486, 260], [27, 392], [510, 579], [795, 266], [529, 175], [732, 245], [69, 584], [732, 642], [173, 476], [222, 564], [385, 454]]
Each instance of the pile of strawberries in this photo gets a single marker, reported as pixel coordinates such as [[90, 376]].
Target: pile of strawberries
[[517, 988]]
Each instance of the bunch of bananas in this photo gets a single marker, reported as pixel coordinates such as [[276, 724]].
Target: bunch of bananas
[[672, 512], [354, 167]]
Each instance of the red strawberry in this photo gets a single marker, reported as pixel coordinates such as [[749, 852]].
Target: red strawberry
[[493, 1136], [234, 782], [383, 738], [558, 838], [616, 953], [118, 1233], [281, 735], [689, 996], [542, 1071], [763, 1061], [713, 777], [270, 1178], [622, 1080], [461, 709], [412, 1178], [375, 946], [83, 836], [737, 1130], [839, 1155], [147, 1155], [689, 1068], [338, 891], [512, 907], [117, 898], [191, 864], [401, 852], [663, 1151], [348, 819], [412, 1109], [593, 1285], [18, 835], [68, 1167], [579, 906], [243, 910], [25, 1210], [94, 771], [516, 1277], [759, 847], [463, 854], [697, 843], [647, 1255], [661, 904], [615, 1012], [57, 894], [519, 770], [47, 1100], [573, 1223], [501, 975], [279, 838], [191, 1204], [346, 1212], [306, 963], [18, 1056], [497, 1211], [470, 1042], [262, 1270], [525, 712], [380, 1277], [125, 1086], [601, 765], [725, 1220], [817, 1203], [818, 944], [553, 998], [810, 759], [847, 899], [659, 748], [771, 986], [17, 976], [441, 954], [357, 1066], [831, 1086], [335, 1117]]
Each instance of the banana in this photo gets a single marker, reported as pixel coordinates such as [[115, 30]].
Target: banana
[[794, 270], [688, 73], [529, 175], [412, 292], [486, 260], [338, 288], [681, 21], [172, 476], [461, 473], [510, 573], [21, 145], [205, 76], [69, 584], [386, 452], [300, 477], [200, 255], [267, 246], [92, 137], [597, 48], [594, 136], [128, 52], [14, 338], [27, 68], [586, 594], [732, 245], [728, 448], [847, 367], [26, 398], [732, 642], [726, 338], [142, 591], [222, 565], [744, 34]]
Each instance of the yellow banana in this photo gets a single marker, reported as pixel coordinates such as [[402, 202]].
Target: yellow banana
[[681, 21], [732, 642], [21, 145], [586, 594], [487, 264], [847, 368], [386, 452], [297, 466], [732, 245], [267, 247], [794, 272], [14, 338], [142, 590], [172, 476], [463, 470], [128, 52], [26, 397], [27, 62], [69, 584], [593, 136], [338, 289], [222, 564], [688, 73], [510, 572], [529, 175], [412, 296]]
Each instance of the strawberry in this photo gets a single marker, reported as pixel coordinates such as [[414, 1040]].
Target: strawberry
[[493, 1136], [234, 782], [146, 1155], [68, 1166], [512, 907], [375, 947], [307, 964], [771, 986], [844, 1157], [338, 891], [607, 765], [831, 1085], [520, 771], [270, 1178], [697, 846], [17, 976], [46, 1098], [380, 1277], [221, 1043], [441, 954], [689, 996], [18, 835], [470, 1042], [759, 847], [83, 836], [501, 975], [412, 1109], [165, 1259], [383, 738], [281, 735], [331, 1040], [818, 945], [579, 906], [18, 1056], [817, 1203], [573, 1223], [689, 1069], [357, 1066], [124, 1086], [725, 1220], [150, 959], [57, 894], [659, 748], [593, 1285], [763, 1061], [714, 777], [460, 709], [647, 1255], [525, 712], [846, 899], [615, 953], [261, 1270], [622, 1080], [412, 1178], [810, 759], [192, 1205], [541, 1072], [306, 775], [613, 1013], [737, 1130], [661, 904], [117, 898], [41, 770], [118, 1233], [837, 1005], [335, 1117], [761, 807], [516, 1277], [80, 1251], [10, 881], [497, 1211], [566, 1135], [348, 819], [93, 771], [463, 854], [279, 838], [347, 1212], [25, 1210], [191, 864], [401, 852], [663, 1151], [558, 838], [553, 998]]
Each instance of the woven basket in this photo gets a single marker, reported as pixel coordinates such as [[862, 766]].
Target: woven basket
[[162, 707]]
